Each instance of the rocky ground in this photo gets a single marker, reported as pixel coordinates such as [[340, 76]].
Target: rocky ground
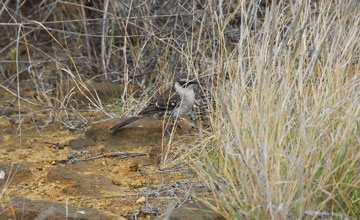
[[48, 171]]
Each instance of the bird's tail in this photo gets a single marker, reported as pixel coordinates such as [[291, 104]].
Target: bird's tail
[[117, 127]]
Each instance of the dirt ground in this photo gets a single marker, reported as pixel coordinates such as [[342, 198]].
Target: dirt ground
[[53, 172]]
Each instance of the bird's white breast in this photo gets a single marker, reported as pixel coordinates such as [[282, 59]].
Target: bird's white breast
[[187, 100]]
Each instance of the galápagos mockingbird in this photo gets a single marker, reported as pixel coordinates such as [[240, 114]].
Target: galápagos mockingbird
[[176, 102]]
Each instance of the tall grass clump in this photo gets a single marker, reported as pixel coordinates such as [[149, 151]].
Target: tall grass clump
[[286, 141]]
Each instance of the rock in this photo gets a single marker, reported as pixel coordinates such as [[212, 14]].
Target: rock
[[194, 210], [140, 200], [137, 183], [22, 208], [81, 143], [132, 166], [82, 178], [116, 182], [18, 173]]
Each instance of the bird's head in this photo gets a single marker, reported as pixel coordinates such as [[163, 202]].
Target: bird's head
[[185, 83]]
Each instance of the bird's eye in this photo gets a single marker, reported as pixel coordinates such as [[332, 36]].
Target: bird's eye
[[185, 83]]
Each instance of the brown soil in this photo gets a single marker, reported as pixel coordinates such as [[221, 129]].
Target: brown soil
[[53, 172]]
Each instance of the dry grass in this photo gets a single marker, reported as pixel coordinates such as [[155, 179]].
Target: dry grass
[[284, 137], [287, 143]]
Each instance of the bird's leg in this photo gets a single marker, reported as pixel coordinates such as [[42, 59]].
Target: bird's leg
[[168, 120], [178, 126], [167, 125]]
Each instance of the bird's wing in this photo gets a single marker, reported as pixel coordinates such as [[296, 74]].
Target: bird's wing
[[169, 100], [162, 102]]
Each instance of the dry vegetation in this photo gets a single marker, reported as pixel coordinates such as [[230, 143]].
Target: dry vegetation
[[283, 140]]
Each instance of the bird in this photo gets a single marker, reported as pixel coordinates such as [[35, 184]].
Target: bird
[[176, 102]]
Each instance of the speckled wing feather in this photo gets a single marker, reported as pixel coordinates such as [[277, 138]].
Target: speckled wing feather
[[161, 104]]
